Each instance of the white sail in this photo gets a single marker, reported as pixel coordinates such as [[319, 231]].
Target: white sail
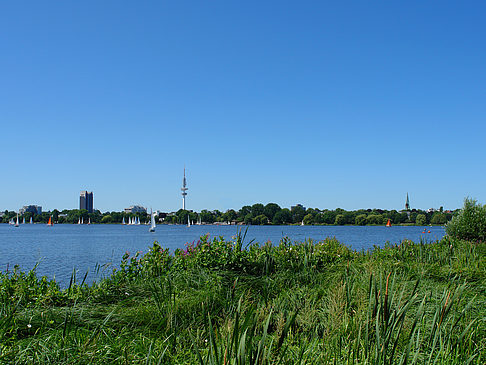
[[23, 220], [17, 221], [30, 220], [123, 220], [89, 220], [82, 220], [152, 222], [79, 220], [188, 222]]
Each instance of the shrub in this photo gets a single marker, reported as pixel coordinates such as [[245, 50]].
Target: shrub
[[470, 223]]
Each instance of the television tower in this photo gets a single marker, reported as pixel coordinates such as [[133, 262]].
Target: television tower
[[184, 189]]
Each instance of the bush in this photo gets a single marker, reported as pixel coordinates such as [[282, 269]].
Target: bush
[[470, 223]]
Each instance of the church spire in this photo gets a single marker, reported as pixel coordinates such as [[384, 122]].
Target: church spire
[[407, 203]]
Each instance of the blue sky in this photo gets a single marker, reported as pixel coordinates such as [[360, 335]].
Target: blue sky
[[328, 104]]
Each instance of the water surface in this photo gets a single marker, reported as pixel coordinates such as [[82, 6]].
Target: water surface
[[60, 248]]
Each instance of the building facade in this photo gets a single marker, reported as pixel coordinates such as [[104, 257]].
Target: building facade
[[34, 209], [135, 209], [86, 201]]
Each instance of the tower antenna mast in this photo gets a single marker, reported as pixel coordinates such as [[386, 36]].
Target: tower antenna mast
[[184, 189]]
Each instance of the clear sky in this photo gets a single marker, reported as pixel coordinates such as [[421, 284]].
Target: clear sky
[[328, 104]]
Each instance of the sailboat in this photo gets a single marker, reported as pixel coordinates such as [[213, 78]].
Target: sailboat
[[188, 222], [123, 221], [23, 220], [388, 224], [302, 223], [79, 220], [50, 223], [82, 220], [198, 221], [17, 221], [30, 220], [89, 220], [152, 222], [11, 221]]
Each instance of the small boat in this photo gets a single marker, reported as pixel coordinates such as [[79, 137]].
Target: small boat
[[152, 222], [123, 221], [302, 223], [388, 224], [79, 220], [89, 220], [23, 220], [50, 223], [17, 221], [82, 220], [11, 221], [188, 222], [30, 220]]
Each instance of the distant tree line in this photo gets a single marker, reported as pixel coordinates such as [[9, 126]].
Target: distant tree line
[[256, 214]]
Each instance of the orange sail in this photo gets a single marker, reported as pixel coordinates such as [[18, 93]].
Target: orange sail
[[50, 222], [388, 224]]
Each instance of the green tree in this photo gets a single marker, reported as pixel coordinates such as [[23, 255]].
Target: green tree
[[421, 220], [340, 220], [260, 220], [257, 209], [283, 216], [438, 218], [374, 219], [229, 216], [270, 210], [206, 216], [329, 217], [244, 211], [107, 219], [308, 219], [298, 213], [360, 220]]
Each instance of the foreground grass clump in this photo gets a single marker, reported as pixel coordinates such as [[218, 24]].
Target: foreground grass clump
[[218, 303]]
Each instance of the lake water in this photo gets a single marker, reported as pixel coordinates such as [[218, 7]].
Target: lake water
[[60, 248]]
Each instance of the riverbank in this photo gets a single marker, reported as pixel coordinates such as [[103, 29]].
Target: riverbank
[[214, 302]]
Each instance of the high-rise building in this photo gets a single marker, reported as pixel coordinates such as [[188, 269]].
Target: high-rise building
[[86, 201], [184, 189]]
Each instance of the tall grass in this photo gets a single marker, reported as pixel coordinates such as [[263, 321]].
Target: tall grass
[[219, 302]]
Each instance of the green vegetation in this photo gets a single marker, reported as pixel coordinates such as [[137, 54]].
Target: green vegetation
[[470, 223], [257, 214], [220, 302]]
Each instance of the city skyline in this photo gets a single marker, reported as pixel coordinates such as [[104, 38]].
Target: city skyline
[[324, 104], [86, 202]]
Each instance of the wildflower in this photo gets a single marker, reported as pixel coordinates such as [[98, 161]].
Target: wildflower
[[29, 325]]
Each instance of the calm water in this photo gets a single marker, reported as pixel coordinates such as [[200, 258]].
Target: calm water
[[63, 247]]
